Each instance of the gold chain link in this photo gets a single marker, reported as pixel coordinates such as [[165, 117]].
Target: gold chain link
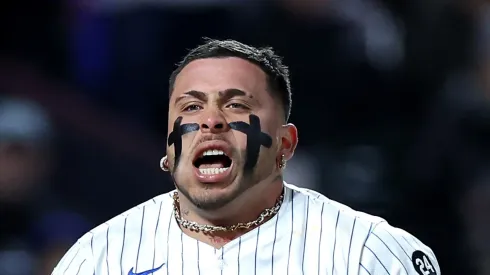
[[207, 229]]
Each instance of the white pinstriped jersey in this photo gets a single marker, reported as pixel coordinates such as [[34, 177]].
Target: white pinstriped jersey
[[310, 235]]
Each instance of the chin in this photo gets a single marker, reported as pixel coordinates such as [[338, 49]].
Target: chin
[[210, 196], [215, 197]]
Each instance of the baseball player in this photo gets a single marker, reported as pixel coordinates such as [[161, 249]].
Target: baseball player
[[231, 212]]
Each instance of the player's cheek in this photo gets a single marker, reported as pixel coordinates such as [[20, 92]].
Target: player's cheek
[[240, 141], [187, 146], [170, 152]]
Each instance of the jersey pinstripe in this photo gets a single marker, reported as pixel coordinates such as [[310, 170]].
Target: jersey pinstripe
[[310, 235]]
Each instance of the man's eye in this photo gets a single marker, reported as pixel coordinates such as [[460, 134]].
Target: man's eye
[[193, 107], [237, 106]]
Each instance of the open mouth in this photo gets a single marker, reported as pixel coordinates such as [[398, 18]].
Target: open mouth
[[212, 162]]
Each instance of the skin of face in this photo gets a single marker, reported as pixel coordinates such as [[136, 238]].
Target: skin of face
[[213, 92]]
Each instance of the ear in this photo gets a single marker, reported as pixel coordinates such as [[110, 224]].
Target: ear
[[289, 140]]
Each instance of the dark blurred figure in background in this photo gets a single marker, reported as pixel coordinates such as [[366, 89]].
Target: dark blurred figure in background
[[98, 151], [25, 151], [447, 169], [26, 159], [24, 164]]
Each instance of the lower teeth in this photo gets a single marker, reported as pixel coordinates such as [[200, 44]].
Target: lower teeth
[[213, 171]]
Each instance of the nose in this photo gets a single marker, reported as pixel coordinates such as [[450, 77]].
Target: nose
[[214, 123]]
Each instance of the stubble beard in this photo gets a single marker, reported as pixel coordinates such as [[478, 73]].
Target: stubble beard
[[204, 199]]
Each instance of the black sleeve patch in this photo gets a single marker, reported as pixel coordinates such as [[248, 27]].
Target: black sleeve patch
[[422, 263]]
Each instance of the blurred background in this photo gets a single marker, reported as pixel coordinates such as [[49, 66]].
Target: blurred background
[[401, 90]]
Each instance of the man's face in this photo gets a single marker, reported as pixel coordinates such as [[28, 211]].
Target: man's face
[[22, 166], [212, 93]]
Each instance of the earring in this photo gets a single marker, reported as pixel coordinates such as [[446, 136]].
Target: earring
[[164, 164], [282, 163]]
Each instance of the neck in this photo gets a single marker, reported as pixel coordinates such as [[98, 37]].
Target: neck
[[245, 208]]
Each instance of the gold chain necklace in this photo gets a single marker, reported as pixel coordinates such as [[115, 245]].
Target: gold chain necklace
[[207, 229]]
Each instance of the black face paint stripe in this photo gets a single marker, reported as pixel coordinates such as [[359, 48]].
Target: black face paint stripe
[[255, 139], [175, 138]]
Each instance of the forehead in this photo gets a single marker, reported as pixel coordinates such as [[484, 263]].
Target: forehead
[[218, 74]]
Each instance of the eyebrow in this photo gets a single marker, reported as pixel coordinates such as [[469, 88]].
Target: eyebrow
[[230, 93], [197, 94], [224, 95]]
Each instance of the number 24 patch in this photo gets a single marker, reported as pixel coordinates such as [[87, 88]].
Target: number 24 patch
[[422, 264]]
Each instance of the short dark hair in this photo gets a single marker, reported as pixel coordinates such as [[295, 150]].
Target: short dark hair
[[277, 73]]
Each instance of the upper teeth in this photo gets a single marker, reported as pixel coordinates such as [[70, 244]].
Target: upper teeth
[[213, 153]]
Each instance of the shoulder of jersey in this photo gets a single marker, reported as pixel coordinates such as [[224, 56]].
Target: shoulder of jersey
[[163, 201], [373, 233], [395, 248], [317, 200]]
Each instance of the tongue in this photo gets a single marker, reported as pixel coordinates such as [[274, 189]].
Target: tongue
[[211, 165]]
